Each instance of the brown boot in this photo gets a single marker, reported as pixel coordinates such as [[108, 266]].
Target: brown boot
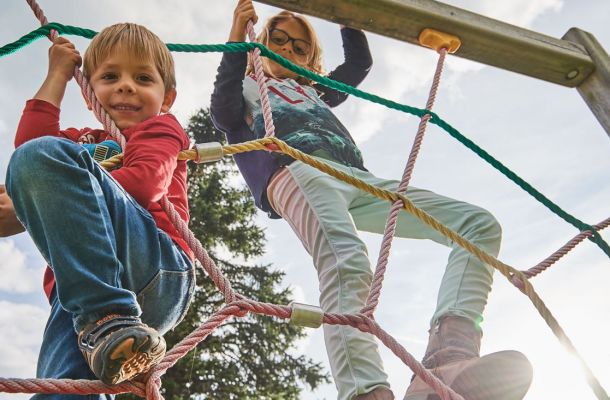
[[381, 393], [453, 356]]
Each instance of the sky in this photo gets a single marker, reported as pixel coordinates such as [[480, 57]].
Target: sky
[[543, 132]]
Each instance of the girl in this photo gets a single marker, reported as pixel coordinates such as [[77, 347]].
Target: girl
[[326, 213]]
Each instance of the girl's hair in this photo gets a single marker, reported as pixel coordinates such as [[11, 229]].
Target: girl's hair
[[135, 40], [314, 58]]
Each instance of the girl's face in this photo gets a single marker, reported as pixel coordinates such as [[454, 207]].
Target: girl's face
[[289, 39]]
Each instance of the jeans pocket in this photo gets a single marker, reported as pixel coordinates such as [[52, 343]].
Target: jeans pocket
[[166, 299]]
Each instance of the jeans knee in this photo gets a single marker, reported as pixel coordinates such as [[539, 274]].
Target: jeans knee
[[33, 161]]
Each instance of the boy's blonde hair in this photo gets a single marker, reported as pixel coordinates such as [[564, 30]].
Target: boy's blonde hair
[[314, 58], [135, 40]]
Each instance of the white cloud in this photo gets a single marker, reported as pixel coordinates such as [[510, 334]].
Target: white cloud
[[517, 12], [17, 277], [20, 338], [520, 12]]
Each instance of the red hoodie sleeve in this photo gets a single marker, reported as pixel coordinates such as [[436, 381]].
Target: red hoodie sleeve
[[41, 118], [150, 158]]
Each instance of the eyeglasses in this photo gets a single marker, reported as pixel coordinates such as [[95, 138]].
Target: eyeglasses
[[299, 46]]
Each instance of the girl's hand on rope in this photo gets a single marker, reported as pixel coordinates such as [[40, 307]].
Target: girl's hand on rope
[[244, 12], [9, 224], [63, 59]]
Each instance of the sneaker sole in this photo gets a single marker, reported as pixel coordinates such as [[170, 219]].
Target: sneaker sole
[[129, 355]]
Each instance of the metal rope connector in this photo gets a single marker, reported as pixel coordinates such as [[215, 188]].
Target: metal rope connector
[[208, 152], [306, 315]]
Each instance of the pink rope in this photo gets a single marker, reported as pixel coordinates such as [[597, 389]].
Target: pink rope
[[86, 89], [390, 227], [557, 255], [80, 386], [200, 253], [261, 80]]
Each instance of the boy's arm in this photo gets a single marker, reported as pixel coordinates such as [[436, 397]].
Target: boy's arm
[[41, 114], [150, 158], [63, 58], [9, 224], [357, 64]]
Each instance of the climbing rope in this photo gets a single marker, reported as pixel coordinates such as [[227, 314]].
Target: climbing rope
[[434, 118], [390, 227], [238, 306]]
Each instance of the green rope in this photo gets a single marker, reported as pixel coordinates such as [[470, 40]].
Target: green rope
[[435, 119]]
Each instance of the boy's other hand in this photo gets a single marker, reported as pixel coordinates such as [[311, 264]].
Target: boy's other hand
[[9, 224], [63, 58]]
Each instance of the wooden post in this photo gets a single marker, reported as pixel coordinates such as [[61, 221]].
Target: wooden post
[[595, 90], [485, 40]]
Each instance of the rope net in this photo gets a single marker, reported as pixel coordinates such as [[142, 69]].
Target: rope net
[[237, 305]]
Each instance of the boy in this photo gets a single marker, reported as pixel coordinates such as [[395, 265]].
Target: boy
[[120, 274]]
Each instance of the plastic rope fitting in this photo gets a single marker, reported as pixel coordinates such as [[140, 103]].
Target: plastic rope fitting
[[306, 315], [208, 152], [438, 40]]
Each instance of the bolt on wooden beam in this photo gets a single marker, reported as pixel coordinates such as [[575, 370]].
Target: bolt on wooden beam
[[595, 90]]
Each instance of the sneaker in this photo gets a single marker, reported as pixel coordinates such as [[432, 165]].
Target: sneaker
[[118, 348]]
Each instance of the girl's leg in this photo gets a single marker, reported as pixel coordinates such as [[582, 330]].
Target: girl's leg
[[467, 281], [104, 247], [316, 207], [455, 336]]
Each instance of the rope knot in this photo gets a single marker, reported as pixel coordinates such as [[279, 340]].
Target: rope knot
[[517, 279]]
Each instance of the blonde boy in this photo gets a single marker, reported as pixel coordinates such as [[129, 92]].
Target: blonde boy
[[119, 274]]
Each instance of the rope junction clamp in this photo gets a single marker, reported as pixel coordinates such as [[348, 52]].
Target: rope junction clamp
[[438, 40], [208, 152], [306, 315]]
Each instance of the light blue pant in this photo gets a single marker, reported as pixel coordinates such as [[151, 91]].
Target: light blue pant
[[107, 254], [327, 213]]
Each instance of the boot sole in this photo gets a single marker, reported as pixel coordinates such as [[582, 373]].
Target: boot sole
[[506, 380], [129, 355]]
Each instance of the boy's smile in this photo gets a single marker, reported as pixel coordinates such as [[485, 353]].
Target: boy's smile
[[131, 90]]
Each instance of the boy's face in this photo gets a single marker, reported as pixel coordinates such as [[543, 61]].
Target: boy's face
[[130, 90]]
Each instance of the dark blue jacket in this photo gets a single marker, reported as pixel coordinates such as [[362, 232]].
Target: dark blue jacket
[[228, 109]]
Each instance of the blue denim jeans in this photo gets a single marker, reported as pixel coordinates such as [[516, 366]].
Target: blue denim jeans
[[107, 254]]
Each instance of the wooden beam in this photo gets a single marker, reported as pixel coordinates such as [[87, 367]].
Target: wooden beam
[[595, 90], [484, 40]]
